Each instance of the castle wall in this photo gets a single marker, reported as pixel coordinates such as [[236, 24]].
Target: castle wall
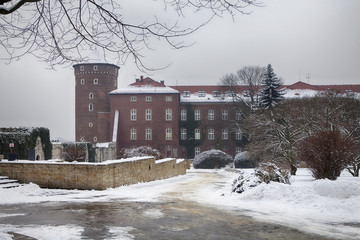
[[92, 176]]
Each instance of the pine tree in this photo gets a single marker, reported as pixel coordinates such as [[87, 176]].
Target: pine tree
[[270, 94]]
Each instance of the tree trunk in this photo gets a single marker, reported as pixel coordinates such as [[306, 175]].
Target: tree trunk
[[293, 170]]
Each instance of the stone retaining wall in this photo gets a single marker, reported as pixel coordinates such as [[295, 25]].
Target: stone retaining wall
[[86, 176]]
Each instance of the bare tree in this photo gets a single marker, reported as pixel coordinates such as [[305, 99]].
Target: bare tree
[[61, 32]]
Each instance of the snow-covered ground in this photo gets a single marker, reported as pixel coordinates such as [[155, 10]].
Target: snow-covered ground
[[329, 208]]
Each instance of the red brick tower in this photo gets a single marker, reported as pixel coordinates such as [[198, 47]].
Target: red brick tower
[[93, 82]]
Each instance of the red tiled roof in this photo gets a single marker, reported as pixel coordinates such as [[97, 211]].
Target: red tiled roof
[[303, 86], [147, 81]]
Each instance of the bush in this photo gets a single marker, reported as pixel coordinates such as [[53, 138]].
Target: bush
[[267, 172], [243, 160], [212, 159], [74, 152], [327, 153], [140, 152]]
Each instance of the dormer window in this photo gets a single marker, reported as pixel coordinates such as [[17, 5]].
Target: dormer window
[[186, 94], [201, 94], [216, 93]]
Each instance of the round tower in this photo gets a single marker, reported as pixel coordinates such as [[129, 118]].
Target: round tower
[[93, 82]]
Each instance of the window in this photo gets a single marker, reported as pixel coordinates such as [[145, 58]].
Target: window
[[197, 150], [238, 115], [115, 83], [91, 124], [95, 68], [133, 115], [96, 81], [186, 94], [148, 134], [183, 134], [169, 98], [201, 94], [148, 114], [197, 114], [238, 134], [211, 114], [238, 150], [216, 93], [95, 139], [168, 135], [91, 107], [82, 139], [224, 134], [91, 95], [197, 134], [82, 81], [81, 68], [225, 114], [133, 99], [133, 134], [148, 99], [183, 115], [168, 114], [211, 135]]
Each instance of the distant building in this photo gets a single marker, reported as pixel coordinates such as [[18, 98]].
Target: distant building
[[179, 121]]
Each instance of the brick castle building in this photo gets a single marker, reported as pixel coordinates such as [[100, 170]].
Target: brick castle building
[[179, 121]]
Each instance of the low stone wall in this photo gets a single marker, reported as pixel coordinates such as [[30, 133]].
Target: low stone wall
[[86, 176]]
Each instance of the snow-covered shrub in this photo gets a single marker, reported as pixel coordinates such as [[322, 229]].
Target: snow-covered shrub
[[139, 152], [267, 172], [212, 159], [327, 153], [243, 160], [74, 152]]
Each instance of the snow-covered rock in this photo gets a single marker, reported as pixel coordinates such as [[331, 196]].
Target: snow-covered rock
[[268, 172]]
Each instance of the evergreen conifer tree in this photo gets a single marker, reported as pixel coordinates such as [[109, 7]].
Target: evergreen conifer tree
[[270, 94]]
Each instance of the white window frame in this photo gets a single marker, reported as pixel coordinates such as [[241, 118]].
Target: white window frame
[[148, 98], [95, 68], [148, 114], [197, 115], [168, 134], [211, 134], [148, 134], [91, 124], [183, 134], [201, 94], [183, 115], [91, 107], [237, 150], [197, 151], [168, 99], [225, 134], [168, 114], [211, 114], [133, 134], [82, 81], [238, 134], [82, 68], [96, 81], [224, 114], [197, 134], [238, 115], [91, 95], [133, 114], [95, 139], [133, 98]]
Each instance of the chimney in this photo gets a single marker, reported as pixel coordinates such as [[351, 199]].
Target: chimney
[[141, 78], [162, 82]]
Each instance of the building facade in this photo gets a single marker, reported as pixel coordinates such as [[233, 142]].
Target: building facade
[[179, 121]]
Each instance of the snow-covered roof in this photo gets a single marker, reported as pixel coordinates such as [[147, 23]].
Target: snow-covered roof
[[145, 89], [206, 98]]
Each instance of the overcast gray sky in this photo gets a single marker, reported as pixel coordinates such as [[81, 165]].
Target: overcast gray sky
[[321, 37]]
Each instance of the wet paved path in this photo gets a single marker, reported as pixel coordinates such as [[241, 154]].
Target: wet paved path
[[172, 218]]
